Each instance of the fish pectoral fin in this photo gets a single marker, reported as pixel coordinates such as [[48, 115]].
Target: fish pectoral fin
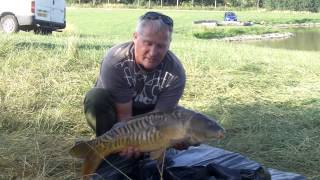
[[178, 141], [81, 149], [158, 154], [90, 164]]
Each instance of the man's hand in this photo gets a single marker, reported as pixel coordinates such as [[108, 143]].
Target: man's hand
[[131, 152], [183, 145]]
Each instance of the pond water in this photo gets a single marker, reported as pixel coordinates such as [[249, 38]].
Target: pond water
[[303, 39]]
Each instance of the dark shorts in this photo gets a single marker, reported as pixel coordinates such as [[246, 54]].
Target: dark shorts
[[100, 111]]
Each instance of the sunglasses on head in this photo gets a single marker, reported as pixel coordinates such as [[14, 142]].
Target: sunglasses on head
[[155, 16]]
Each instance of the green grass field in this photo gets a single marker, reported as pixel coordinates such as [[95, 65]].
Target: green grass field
[[267, 99]]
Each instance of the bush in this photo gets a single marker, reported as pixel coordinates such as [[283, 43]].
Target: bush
[[296, 5], [221, 32]]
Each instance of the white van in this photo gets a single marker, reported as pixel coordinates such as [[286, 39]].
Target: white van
[[42, 16]]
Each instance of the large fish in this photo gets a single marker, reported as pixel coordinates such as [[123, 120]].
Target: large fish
[[151, 132]]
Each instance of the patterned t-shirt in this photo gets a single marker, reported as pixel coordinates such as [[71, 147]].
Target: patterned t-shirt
[[159, 89]]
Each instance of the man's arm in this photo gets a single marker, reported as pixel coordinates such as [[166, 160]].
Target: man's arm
[[170, 97], [173, 84], [124, 111]]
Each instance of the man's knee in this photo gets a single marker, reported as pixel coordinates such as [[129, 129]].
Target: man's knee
[[97, 98], [99, 107]]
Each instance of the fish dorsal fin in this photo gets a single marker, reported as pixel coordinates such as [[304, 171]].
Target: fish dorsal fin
[[157, 154], [106, 137]]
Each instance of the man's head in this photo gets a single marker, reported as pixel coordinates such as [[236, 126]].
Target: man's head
[[152, 39]]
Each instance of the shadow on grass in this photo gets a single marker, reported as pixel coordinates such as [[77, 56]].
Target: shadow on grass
[[268, 116], [16, 122], [90, 36], [44, 45], [42, 152], [281, 135], [304, 20]]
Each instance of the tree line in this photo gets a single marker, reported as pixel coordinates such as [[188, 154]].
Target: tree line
[[296, 5]]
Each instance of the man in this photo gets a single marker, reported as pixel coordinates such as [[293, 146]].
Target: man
[[136, 77]]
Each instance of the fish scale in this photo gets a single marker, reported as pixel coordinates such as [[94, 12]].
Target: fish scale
[[121, 138], [152, 132]]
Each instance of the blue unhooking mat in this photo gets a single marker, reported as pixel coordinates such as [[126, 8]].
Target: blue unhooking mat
[[196, 163]]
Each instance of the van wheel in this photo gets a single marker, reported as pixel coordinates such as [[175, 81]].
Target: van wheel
[[9, 24]]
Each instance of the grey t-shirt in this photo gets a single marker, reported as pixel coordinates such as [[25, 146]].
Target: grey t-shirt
[[159, 89]]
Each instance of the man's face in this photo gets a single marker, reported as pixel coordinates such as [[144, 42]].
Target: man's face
[[151, 46]]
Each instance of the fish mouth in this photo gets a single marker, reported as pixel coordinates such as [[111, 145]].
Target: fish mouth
[[220, 134]]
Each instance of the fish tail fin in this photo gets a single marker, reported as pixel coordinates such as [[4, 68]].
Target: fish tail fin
[[81, 149], [90, 164], [92, 155]]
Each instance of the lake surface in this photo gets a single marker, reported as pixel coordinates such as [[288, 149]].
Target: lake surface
[[303, 39]]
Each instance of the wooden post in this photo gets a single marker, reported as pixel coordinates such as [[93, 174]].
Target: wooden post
[[177, 3]]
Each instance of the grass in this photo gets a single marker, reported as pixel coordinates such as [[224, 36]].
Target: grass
[[221, 32], [267, 99]]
